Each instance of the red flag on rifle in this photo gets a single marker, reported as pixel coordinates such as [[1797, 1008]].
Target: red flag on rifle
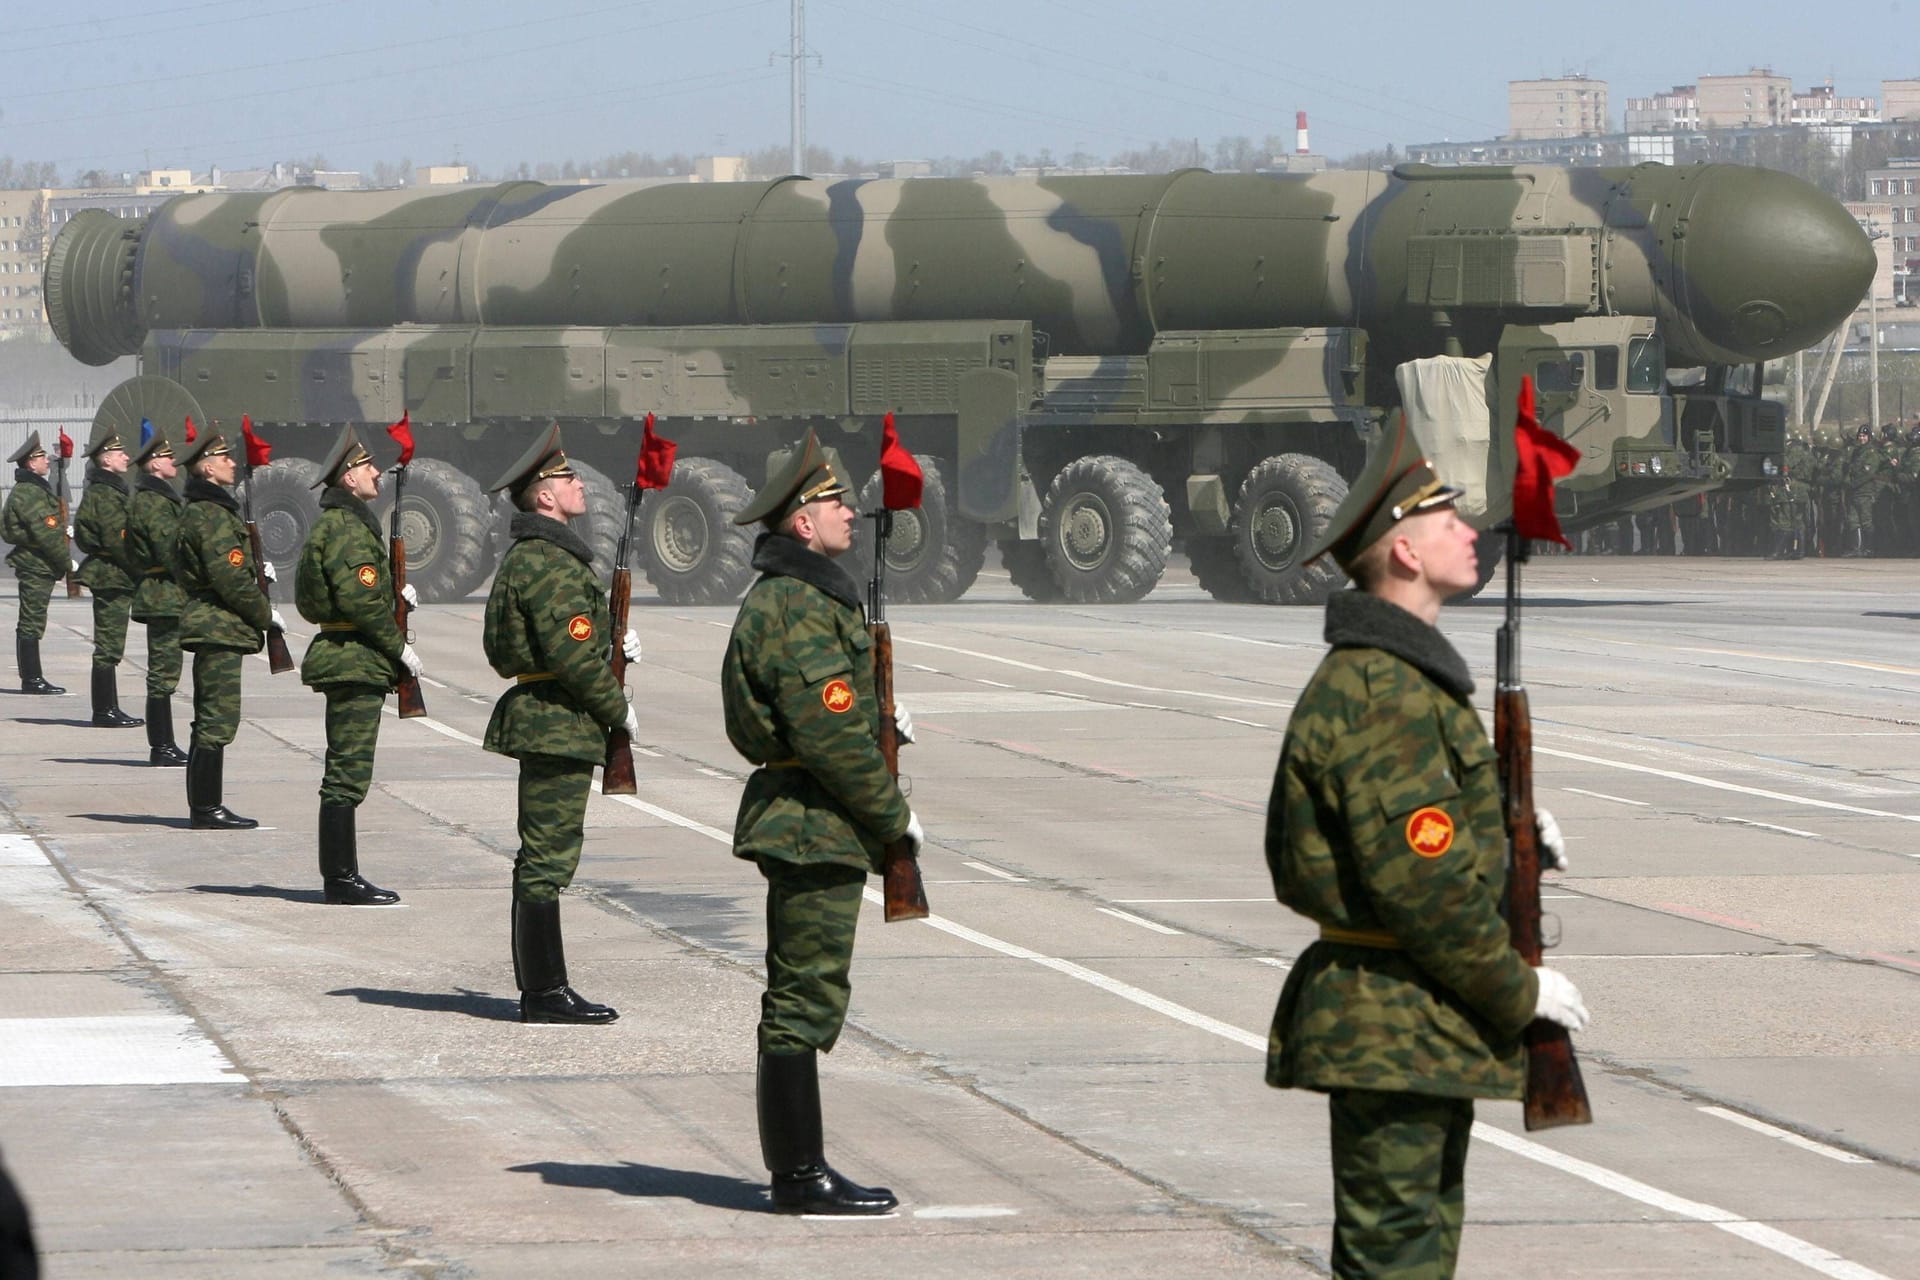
[[655, 469], [900, 476], [66, 444], [259, 452], [1540, 457], [402, 433], [192, 435]]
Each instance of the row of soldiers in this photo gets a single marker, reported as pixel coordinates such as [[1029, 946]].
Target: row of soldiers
[[798, 685]]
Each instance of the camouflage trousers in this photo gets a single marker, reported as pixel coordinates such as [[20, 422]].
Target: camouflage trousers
[[216, 696], [163, 657], [811, 915], [110, 613], [1399, 1183], [553, 819], [1859, 509], [353, 726], [35, 591]]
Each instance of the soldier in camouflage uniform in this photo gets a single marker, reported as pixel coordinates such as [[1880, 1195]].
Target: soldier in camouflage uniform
[[225, 618], [1865, 477], [31, 522], [549, 628], [1385, 828], [1896, 513], [344, 587], [100, 530], [818, 811], [1786, 500], [153, 527]]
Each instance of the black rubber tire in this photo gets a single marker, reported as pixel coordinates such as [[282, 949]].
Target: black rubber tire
[[1285, 504], [448, 525], [600, 528], [933, 555], [1106, 530], [1218, 570], [285, 505], [1026, 564], [690, 548]]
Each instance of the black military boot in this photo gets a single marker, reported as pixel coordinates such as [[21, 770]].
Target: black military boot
[[540, 969], [1778, 551], [106, 701], [340, 863], [205, 767], [787, 1089], [162, 751], [31, 680]]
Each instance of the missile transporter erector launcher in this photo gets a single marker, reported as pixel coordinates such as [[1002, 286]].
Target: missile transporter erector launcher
[[1088, 367]]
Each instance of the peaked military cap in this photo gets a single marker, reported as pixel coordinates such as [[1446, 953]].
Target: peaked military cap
[[30, 450], [157, 446], [808, 472], [542, 461], [1396, 483], [208, 444], [105, 436], [346, 454]]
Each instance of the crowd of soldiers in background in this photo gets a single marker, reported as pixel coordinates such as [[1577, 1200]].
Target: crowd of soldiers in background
[[1839, 493]]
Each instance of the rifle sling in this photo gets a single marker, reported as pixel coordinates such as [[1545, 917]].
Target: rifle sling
[[1379, 939]]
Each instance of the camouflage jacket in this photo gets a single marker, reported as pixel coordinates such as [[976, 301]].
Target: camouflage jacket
[[213, 564], [343, 585], [547, 617], [1386, 819], [100, 529], [153, 530], [1906, 464], [1866, 465], [1785, 496], [797, 685], [31, 522]]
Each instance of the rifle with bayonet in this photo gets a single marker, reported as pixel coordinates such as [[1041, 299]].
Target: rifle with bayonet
[[903, 891], [653, 470], [66, 520], [409, 701], [258, 454]]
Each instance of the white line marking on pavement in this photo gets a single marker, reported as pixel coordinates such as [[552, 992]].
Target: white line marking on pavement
[[1275, 961], [1248, 723], [995, 871], [21, 851], [668, 815], [1601, 795], [164, 1048], [1717, 785], [1093, 679], [1768, 826], [998, 684], [965, 1211], [1693, 955], [1133, 919], [1791, 1139], [1141, 902], [1269, 644], [429, 680]]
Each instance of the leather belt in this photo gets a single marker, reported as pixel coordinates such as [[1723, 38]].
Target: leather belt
[[533, 677], [1379, 939], [783, 764], [338, 626]]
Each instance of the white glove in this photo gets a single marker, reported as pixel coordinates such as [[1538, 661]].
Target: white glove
[[277, 623], [1553, 845], [632, 726], [1560, 1000], [411, 661], [916, 835], [411, 596], [268, 572], [630, 645], [902, 722], [74, 563], [69, 532]]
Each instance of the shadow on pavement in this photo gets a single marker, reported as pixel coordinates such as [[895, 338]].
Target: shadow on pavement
[[260, 891], [129, 761], [629, 1179], [475, 1004], [70, 724], [137, 820]]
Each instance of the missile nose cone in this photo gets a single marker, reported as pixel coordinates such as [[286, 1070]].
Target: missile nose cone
[[1772, 265]]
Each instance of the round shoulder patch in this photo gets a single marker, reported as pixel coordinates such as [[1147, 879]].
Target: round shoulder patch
[[580, 627], [236, 557], [52, 521], [368, 575], [837, 697], [1430, 832]]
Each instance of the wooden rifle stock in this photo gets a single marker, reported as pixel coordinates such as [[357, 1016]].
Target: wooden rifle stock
[[411, 702], [1555, 1095], [279, 659], [616, 776], [904, 892]]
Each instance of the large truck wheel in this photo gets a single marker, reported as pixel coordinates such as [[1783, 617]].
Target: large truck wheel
[[448, 527], [1106, 529], [933, 554], [1026, 564], [285, 505], [1284, 505], [606, 511], [1218, 570], [691, 549]]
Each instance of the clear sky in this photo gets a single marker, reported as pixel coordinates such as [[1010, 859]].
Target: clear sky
[[118, 85]]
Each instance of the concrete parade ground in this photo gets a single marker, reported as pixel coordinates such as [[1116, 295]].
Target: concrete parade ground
[[207, 1072]]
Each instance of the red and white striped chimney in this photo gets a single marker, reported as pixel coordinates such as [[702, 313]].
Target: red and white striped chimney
[[1300, 132]]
